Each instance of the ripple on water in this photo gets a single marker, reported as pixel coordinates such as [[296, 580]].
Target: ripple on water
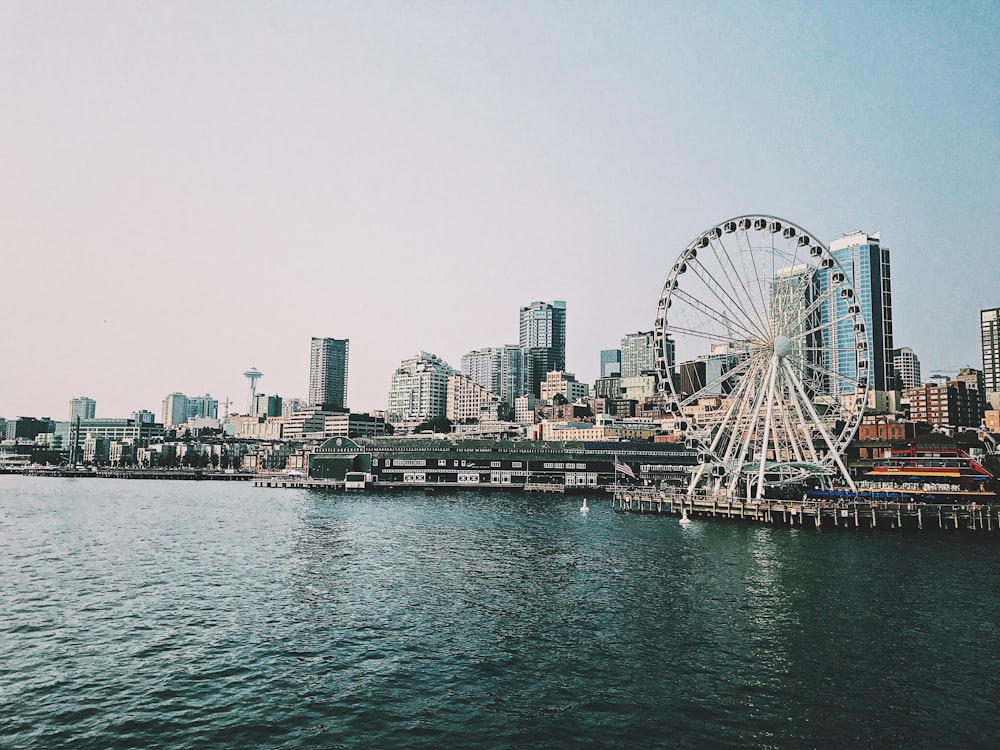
[[145, 614]]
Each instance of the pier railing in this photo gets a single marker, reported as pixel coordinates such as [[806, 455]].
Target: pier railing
[[815, 513]]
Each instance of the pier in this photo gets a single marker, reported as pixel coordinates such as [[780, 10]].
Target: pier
[[854, 514]]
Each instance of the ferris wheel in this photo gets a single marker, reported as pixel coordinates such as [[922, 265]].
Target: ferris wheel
[[763, 352]]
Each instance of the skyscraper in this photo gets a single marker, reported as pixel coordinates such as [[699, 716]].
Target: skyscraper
[[543, 334], [866, 263], [638, 354], [82, 407], [328, 373], [989, 320], [501, 369], [611, 362], [906, 365]]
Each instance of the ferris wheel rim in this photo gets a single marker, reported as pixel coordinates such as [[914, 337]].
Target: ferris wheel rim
[[776, 336]]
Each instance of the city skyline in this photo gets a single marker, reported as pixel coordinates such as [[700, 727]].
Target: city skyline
[[491, 156]]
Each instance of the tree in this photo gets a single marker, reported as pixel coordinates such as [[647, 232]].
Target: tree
[[434, 424]]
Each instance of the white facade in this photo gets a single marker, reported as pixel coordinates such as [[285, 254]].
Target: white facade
[[638, 354], [466, 398], [419, 388], [564, 383], [907, 367]]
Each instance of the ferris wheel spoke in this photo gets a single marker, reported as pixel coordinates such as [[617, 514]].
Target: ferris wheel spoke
[[708, 388], [711, 313], [748, 306], [696, 333], [747, 253], [717, 289], [820, 425]]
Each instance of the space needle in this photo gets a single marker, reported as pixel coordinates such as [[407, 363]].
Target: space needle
[[253, 375]]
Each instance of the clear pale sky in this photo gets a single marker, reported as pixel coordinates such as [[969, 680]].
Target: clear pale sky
[[191, 188]]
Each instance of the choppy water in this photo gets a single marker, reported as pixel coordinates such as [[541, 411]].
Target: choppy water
[[181, 614]]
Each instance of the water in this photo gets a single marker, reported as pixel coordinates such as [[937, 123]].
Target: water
[[183, 614]]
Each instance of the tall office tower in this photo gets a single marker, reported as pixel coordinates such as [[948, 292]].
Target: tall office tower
[[82, 407], [611, 362], [638, 354], [543, 334], [202, 406], [990, 331], [175, 409], [419, 388], [328, 373], [906, 365], [267, 406], [866, 263]]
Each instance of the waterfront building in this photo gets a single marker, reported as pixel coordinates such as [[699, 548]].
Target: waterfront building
[[466, 399], [27, 428], [307, 423], [975, 379], [945, 404], [353, 425], [83, 407], [638, 354], [565, 384], [611, 362], [543, 335], [328, 373], [906, 366], [419, 389], [989, 321], [866, 262]]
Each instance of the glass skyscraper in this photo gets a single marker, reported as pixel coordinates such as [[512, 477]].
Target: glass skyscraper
[[866, 264], [543, 333]]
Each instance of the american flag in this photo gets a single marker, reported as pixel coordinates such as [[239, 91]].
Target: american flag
[[624, 469]]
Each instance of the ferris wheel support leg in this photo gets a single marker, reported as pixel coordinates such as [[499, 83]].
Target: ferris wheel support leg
[[819, 424], [772, 378], [745, 443]]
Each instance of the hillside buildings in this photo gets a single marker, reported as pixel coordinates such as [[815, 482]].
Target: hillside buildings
[[178, 408], [419, 389], [328, 373]]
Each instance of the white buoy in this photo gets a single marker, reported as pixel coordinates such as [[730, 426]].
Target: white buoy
[[684, 517], [583, 508]]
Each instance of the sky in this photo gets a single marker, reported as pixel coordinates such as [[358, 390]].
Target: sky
[[189, 189]]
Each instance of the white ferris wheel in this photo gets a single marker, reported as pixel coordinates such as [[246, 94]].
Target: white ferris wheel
[[763, 353]]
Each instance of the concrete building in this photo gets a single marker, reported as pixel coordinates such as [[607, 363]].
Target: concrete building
[[466, 399], [866, 263], [419, 389], [989, 321], [564, 384], [83, 407], [328, 373], [950, 404], [906, 365]]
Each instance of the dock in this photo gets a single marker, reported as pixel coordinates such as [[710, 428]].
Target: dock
[[855, 514]]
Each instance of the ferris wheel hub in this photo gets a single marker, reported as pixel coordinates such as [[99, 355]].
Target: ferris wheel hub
[[783, 345]]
